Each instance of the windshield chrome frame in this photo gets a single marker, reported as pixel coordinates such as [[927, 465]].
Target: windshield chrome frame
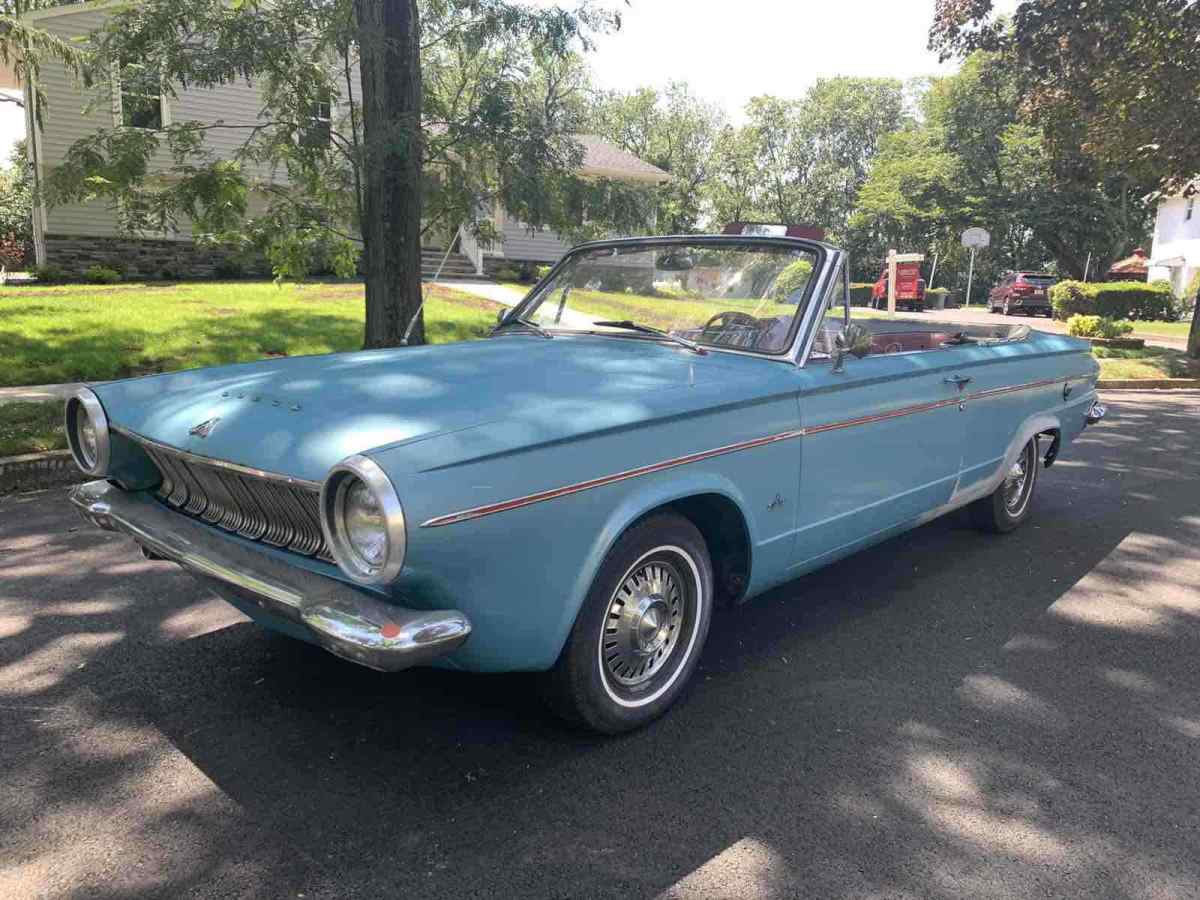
[[815, 314], [817, 286]]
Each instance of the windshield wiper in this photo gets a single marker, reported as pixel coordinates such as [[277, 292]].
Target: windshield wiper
[[527, 323], [657, 332]]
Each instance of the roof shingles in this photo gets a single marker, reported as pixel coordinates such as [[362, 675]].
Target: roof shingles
[[602, 158]]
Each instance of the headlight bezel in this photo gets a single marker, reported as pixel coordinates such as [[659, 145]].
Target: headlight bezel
[[348, 559], [85, 401]]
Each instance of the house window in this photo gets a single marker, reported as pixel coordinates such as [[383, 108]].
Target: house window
[[318, 129], [140, 111], [1191, 208], [141, 100]]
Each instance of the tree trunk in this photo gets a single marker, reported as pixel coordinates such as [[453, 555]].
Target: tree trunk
[[1193, 344], [390, 61]]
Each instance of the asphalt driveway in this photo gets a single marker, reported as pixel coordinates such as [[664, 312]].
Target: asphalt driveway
[[946, 715]]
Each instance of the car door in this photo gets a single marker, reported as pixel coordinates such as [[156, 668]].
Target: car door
[[882, 446]]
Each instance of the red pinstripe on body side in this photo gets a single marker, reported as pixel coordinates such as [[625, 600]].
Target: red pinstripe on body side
[[478, 512]]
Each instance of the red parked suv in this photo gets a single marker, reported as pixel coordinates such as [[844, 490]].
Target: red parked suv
[[1024, 292]]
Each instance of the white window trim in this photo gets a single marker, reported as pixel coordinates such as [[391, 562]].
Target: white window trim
[[118, 106]]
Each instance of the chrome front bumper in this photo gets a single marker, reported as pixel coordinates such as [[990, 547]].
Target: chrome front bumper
[[344, 620]]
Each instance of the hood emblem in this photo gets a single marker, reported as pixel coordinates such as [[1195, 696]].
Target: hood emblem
[[204, 429]]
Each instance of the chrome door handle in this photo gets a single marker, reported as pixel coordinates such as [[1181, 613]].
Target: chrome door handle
[[959, 381]]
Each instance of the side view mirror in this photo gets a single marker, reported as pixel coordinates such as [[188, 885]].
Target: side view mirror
[[501, 313], [853, 340]]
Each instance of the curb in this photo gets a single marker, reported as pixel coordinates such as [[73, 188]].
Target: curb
[[1148, 384], [37, 471]]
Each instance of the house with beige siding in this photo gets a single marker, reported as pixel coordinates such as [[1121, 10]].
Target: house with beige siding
[[77, 236]]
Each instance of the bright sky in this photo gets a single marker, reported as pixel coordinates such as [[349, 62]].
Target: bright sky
[[732, 50]]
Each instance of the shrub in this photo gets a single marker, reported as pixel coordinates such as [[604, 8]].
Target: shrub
[[101, 275], [792, 279], [1112, 300], [676, 292], [860, 293], [1110, 328], [16, 198], [1083, 326], [229, 268], [50, 274], [542, 271], [628, 282], [1097, 326], [1187, 303], [12, 252], [507, 273]]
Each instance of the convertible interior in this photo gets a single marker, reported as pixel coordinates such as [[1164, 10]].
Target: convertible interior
[[736, 329]]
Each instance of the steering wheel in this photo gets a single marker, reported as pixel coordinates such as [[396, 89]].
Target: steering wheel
[[731, 319]]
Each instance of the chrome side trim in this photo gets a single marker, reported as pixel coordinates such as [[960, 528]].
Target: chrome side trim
[[188, 456], [996, 392], [883, 416], [478, 512], [343, 619]]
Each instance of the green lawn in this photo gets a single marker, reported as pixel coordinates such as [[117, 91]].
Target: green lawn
[[663, 312], [1152, 362], [31, 427], [77, 332], [1163, 329]]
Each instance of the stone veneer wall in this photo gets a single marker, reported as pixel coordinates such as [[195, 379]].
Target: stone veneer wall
[[137, 258], [36, 471]]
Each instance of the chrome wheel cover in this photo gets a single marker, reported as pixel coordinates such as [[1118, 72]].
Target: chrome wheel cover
[[1019, 481], [644, 621]]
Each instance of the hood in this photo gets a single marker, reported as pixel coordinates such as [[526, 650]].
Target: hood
[[300, 416]]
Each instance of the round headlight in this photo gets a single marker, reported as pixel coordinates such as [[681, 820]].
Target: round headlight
[[363, 521], [87, 432]]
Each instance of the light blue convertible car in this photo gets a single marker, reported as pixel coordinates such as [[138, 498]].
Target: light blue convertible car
[[661, 425]]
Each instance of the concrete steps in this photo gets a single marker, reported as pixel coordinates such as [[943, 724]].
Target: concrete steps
[[455, 266]]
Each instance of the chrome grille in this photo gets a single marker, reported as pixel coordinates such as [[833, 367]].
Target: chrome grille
[[275, 511]]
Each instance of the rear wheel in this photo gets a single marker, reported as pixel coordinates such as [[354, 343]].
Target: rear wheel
[[638, 637], [1008, 506]]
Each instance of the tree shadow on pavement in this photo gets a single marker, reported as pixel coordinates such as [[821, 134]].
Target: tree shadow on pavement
[[945, 715]]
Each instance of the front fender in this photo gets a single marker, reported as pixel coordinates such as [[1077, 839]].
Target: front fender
[[638, 504]]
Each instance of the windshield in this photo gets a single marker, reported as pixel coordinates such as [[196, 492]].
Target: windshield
[[739, 295]]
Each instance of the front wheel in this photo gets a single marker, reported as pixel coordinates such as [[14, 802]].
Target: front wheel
[[638, 636], [1008, 506]]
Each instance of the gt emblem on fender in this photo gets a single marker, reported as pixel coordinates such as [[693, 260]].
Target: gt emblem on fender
[[204, 429]]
